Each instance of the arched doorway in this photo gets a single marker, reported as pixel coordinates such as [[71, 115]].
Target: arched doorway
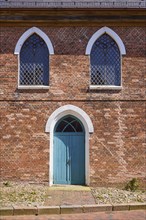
[[85, 120], [69, 151]]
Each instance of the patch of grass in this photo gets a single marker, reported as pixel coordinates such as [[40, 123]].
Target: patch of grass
[[132, 185], [7, 184], [33, 193]]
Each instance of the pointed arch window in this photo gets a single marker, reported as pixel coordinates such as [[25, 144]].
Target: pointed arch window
[[34, 62], [105, 61], [33, 49], [105, 49]]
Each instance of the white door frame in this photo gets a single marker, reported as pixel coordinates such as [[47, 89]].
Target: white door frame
[[88, 126]]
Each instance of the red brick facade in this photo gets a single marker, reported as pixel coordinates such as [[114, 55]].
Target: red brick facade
[[116, 149]]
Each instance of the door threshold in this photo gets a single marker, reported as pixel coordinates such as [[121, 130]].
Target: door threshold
[[70, 187]]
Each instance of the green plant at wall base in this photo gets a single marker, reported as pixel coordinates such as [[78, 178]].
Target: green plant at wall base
[[132, 185], [7, 184]]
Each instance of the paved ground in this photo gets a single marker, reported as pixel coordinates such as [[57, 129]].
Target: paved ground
[[24, 194], [69, 196], [43, 195], [121, 215], [77, 196]]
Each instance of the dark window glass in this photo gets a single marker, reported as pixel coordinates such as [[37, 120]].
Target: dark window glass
[[105, 62], [69, 124], [34, 62]]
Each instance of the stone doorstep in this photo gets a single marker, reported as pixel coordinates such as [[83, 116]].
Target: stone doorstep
[[70, 188], [68, 209]]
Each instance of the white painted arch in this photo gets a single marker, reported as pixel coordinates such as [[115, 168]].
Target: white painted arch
[[88, 126], [73, 110], [111, 33], [27, 34]]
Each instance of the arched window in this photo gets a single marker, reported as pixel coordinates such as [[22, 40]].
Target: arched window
[[105, 61], [34, 62], [105, 48], [69, 124], [33, 49]]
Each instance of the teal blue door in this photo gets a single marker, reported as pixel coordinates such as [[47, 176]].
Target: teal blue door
[[69, 152]]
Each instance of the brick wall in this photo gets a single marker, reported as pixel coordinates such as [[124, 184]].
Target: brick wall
[[117, 144], [70, 63]]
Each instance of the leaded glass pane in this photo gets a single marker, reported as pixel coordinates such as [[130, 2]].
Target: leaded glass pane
[[34, 62], [69, 124], [105, 62], [61, 126]]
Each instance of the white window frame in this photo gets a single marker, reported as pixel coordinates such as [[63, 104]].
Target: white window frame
[[18, 47], [122, 50]]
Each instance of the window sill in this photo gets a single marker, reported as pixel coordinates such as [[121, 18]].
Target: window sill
[[94, 87], [33, 87]]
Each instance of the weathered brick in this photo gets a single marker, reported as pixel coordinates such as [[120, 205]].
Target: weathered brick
[[116, 148], [25, 210], [44, 210], [6, 211], [138, 206], [120, 207], [97, 208], [71, 209]]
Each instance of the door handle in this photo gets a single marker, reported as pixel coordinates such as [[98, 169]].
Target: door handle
[[68, 162]]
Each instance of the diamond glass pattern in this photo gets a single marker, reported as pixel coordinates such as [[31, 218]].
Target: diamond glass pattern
[[34, 62], [105, 62]]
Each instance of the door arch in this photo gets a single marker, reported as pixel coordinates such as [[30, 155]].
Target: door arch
[[69, 152], [88, 127]]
